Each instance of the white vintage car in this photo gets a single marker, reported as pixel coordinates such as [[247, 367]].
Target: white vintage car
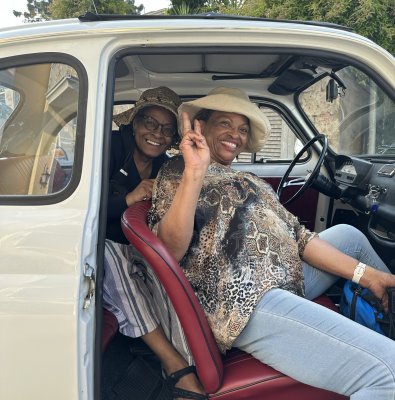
[[60, 83]]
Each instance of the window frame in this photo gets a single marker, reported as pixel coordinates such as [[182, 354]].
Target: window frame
[[59, 58], [293, 125]]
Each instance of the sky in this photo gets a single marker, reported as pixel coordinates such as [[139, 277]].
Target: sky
[[7, 18]]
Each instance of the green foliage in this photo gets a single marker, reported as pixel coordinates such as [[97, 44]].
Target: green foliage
[[183, 7], [200, 6], [374, 19], [58, 9], [37, 10], [75, 8]]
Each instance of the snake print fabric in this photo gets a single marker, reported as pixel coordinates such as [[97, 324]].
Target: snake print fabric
[[244, 243]]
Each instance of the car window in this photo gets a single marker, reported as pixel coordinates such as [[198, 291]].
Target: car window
[[281, 145], [357, 116], [9, 100], [38, 106]]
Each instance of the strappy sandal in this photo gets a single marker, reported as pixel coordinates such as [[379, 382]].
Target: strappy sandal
[[172, 379]]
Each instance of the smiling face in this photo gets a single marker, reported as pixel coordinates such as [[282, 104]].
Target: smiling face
[[226, 135], [148, 127]]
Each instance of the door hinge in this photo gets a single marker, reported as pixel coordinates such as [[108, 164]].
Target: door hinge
[[89, 274]]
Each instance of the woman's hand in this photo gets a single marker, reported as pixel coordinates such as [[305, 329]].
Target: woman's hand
[[378, 282], [176, 227], [193, 146], [143, 191]]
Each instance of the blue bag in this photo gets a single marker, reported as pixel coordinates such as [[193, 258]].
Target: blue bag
[[360, 305]]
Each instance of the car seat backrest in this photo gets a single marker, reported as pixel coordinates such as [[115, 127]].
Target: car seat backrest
[[27, 175], [190, 313]]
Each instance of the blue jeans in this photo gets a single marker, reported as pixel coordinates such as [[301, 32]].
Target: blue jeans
[[317, 346]]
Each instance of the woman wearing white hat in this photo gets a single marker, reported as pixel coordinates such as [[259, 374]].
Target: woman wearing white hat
[[254, 267]]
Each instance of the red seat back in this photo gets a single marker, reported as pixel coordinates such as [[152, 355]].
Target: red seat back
[[197, 331]]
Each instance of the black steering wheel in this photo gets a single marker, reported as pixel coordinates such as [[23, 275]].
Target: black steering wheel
[[304, 181]]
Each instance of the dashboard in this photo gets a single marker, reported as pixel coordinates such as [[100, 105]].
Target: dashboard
[[369, 186]]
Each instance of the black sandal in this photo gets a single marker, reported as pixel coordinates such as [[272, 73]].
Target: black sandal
[[172, 379]]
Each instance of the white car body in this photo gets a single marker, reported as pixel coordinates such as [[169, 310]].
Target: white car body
[[48, 330]]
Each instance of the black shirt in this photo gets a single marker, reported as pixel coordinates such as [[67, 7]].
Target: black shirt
[[120, 184]]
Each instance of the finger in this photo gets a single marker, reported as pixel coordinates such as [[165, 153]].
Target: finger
[[192, 136], [201, 139], [197, 127], [147, 195], [186, 122]]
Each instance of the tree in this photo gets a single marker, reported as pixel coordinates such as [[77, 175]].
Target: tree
[[374, 19], [38, 10], [183, 7], [57, 9], [75, 8], [200, 6]]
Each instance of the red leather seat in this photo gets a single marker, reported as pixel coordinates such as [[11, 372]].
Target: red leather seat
[[236, 375]]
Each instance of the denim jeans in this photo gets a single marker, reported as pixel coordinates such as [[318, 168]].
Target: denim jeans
[[318, 346]]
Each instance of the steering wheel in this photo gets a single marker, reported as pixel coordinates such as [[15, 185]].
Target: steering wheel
[[306, 181]]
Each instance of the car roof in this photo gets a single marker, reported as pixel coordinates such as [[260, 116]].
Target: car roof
[[89, 17], [204, 33], [106, 22]]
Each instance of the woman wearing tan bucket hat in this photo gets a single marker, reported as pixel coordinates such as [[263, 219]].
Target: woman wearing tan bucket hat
[[137, 153], [255, 268]]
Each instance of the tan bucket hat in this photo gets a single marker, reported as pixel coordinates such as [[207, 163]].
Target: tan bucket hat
[[236, 101], [161, 96]]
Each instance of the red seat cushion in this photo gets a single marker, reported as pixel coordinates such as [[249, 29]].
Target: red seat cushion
[[246, 377]]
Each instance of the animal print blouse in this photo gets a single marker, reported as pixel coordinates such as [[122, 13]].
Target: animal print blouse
[[244, 243]]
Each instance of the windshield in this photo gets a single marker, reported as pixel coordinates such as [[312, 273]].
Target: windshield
[[355, 114]]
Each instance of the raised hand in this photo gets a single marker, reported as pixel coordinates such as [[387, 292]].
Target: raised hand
[[193, 146]]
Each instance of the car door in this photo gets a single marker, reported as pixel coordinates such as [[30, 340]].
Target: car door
[[48, 226]]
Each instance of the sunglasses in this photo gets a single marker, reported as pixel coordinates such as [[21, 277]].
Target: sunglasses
[[152, 125]]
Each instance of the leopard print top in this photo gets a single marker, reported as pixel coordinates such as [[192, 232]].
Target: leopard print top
[[244, 243]]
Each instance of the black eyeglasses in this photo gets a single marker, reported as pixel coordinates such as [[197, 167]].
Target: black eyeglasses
[[152, 125]]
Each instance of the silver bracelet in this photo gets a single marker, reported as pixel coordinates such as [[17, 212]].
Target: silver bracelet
[[358, 272]]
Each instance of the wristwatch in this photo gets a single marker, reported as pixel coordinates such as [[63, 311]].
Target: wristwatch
[[358, 272]]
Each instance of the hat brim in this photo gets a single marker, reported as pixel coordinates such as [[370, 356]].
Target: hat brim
[[123, 118], [136, 109], [259, 124], [126, 117]]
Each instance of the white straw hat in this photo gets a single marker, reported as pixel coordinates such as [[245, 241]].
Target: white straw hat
[[235, 101]]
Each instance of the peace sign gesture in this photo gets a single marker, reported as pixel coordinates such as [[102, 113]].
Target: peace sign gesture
[[193, 146]]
